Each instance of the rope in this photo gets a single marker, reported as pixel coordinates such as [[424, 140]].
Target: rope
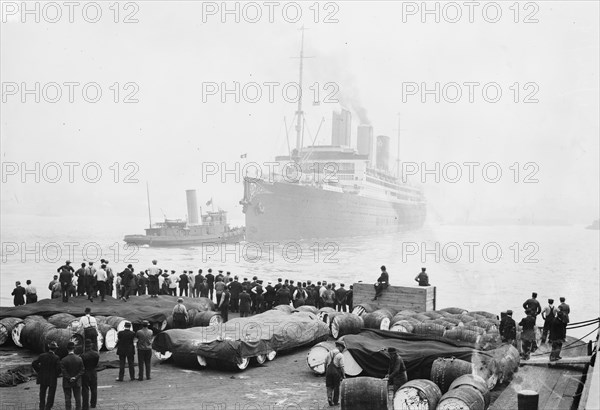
[[569, 346], [585, 321], [577, 327]]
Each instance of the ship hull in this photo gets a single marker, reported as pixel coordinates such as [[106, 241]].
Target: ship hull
[[282, 211], [182, 241]]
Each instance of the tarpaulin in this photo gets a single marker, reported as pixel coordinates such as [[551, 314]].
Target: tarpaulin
[[418, 352]]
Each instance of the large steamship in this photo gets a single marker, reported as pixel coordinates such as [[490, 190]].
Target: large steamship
[[335, 190]]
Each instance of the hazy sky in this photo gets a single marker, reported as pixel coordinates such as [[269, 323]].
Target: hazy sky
[[374, 52]]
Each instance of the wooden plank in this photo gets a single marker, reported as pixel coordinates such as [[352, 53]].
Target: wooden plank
[[545, 361], [417, 298]]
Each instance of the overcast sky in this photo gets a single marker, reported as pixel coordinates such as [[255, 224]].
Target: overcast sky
[[371, 54]]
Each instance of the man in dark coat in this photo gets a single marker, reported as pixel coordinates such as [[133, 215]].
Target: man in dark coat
[[245, 303], [396, 374], [126, 351], [224, 305], [558, 333], [142, 283], [382, 283], [334, 373], [80, 274], [259, 299], [566, 309], [270, 294], [422, 278], [283, 296], [198, 281], [65, 278], [72, 370], [89, 381], [532, 305], [126, 278], [528, 335], [47, 367], [349, 298], [19, 294], [340, 296], [210, 281], [184, 282], [235, 288], [508, 328]]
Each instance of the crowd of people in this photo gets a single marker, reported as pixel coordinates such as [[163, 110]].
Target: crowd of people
[[554, 330]]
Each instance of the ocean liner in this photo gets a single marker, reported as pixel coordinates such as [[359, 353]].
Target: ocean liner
[[328, 191]]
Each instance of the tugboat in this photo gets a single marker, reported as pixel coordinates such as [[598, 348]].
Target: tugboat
[[595, 225], [177, 232]]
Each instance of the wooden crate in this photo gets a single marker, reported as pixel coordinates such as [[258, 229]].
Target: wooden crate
[[416, 298]]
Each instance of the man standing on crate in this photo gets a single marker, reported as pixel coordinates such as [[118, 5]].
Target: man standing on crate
[[334, 373]]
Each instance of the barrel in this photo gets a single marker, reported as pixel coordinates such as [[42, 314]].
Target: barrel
[[364, 308], [62, 320], [419, 394], [485, 314], [407, 312], [445, 371], [420, 317], [324, 314], [364, 393], [6, 327], [380, 319], [432, 315], [317, 355], [463, 397], [307, 308], [284, 308], [454, 310], [429, 329], [462, 335], [330, 318], [16, 333], [441, 321], [62, 337], [508, 359], [391, 311], [476, 329], [475, 382], [351, 367], [100, 319], [402, 326], [207, 318], [35, 318], [117, 322], [400, 317], [32, 335], [109, 334], [528, 400], [191, 315], [346, 324]]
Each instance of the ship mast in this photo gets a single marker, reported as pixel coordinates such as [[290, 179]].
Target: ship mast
[[148, 196], [299, 112], [398, 153]]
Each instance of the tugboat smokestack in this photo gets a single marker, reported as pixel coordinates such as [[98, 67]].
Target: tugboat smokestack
[[192, 206]]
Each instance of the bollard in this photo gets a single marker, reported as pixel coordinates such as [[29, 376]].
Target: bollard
[[528, 400]]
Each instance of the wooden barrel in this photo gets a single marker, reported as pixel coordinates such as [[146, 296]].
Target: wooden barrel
[[317, 355], [461, 334], [16, 333], [380, 319], [419, 394], [284, 308], [402, 326], [207, 318], [364, 393], [474, 328], [109, 334], [391, 311], [32, 335], [362, 308], [508, 359], [6, 327], [407, 312], [330, 318], [454, 310], [463, 397], [441, 321], [62, 320], [432, 315], [324, 313], [62, 337], [487, 315], [346, 324], [100, 319], [35, 318], [75, 326], [429, 329], [528, 400], [475, 382], [307, 308], [445, 371], [117, 322], [350, 366]]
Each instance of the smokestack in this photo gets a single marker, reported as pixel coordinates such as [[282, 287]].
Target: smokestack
[[364, 141], [192, 206], [383, 153], [341, 127]]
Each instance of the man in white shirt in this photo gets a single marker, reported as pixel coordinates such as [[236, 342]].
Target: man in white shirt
[[101, 277], [154, 279], [30, 292], [334, 373], [89, 281], [173, 279], [90, 327]]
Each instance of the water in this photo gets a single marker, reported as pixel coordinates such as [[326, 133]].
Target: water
[[554, 261]]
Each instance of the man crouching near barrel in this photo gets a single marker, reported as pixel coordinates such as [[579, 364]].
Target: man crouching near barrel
[[334, 373], [396, 375]]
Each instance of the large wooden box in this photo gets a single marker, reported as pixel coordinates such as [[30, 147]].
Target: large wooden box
[[416, 298]]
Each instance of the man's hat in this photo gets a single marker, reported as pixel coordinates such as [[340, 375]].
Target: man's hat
[[236, 277], [184, 271], [509, 312], [102, 260], [180, 300], [255, 278], [154, 261], [268, 283], [70, 346], [550, 301], [52, 346], [127, 324], [130, 266], [220, 271], [145, 323], [88, 310], [67, 262], [172, 271], [245, 278]]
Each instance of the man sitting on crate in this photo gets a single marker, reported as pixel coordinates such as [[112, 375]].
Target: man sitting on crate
[[382, 283]]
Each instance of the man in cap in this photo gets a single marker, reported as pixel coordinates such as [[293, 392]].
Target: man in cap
[[126, 279], [65, 277], [334, 373], [528, 334], [382, 283], [558, 333], [101, 277], [235, 288], [144, 348], [270, 294], [18, 294], [224, 305], [80, 274], [90, 278], [548, 315], [72, 369], [89, 380], [126, 351], [47, 367], [532, 305], [110, 279], [340, 296], [210, 281], [90, 327], [422, 278], [198, 282], [180, 315], [153, 273], [396, 374], [566, 309], [219, 287], [508, 328], [51, 285], [183, 280]]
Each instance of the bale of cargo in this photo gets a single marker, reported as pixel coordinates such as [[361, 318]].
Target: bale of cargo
[[380, 319], [486, 324], [207, 319], [508, 359], [447, 325], [363, 308], [317, 355], [109, 336], [62, 320], [400, 317], [419, 394], [475, 382], [443, 313], [346, 324], [461, 334], [307, 308], [364, 393], [100, 319], [402, 326], [284, 308], [420, 317], [35, 318], [487, 315], [454, 310], [407, 312], [32, 335], [453, 320], [466, 319], [6, 327], [429, 329], [62, 337], [445, 371], [117, 322], [462, 397], [490, 341], [432, 315], [191, 315], [391, 311], [474, 328]]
